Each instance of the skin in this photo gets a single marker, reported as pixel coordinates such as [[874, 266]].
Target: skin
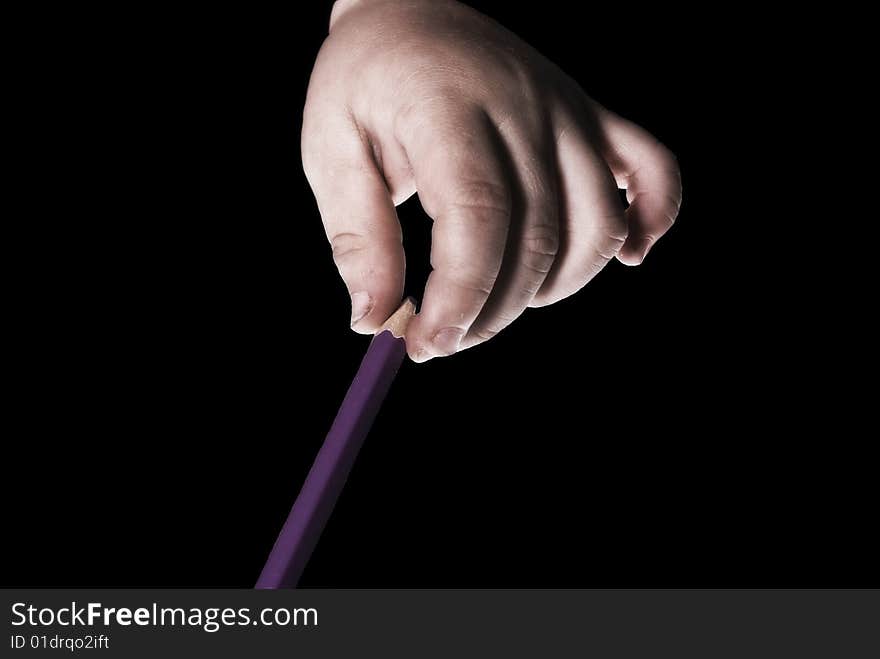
[[518, 168]]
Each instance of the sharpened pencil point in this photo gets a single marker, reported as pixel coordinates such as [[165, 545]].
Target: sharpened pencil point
[[399, 320]]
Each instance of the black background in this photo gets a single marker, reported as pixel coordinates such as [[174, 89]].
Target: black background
[[185, 336]]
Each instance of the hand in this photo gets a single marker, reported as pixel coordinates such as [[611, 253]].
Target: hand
[[518, 168]]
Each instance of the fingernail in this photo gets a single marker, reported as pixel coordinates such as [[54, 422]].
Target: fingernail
[[447, 340], [645, 247], [420, 355], [361, 305]]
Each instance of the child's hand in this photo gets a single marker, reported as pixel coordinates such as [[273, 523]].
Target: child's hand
[[519, 169]]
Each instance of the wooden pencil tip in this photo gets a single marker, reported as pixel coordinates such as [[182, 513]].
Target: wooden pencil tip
[[398, 321]]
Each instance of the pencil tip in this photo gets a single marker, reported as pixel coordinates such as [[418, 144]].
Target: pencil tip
[[398, 321]]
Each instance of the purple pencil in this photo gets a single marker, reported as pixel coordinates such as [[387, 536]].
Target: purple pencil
[[325, 481]]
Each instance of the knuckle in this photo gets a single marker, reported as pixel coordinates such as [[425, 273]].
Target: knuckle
[[491, 327], [617, 229], [418, 111], [670, 209], [540, 247], [311, 144], [346, 244], [666, 163], [473, 281], [403, 122], [466, 274], [613, 245], [670, 162], [484, 333], [614, 229], [610, 236], [665, 156], [482, 200]]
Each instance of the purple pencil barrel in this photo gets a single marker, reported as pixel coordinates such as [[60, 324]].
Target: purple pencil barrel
[[331, 468]]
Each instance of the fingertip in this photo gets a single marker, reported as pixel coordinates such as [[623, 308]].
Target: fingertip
[[370, 309], [417, 355], [634, 254], [629, 259], [424, 342], [541, 299], [363, 328], [415, 347]]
